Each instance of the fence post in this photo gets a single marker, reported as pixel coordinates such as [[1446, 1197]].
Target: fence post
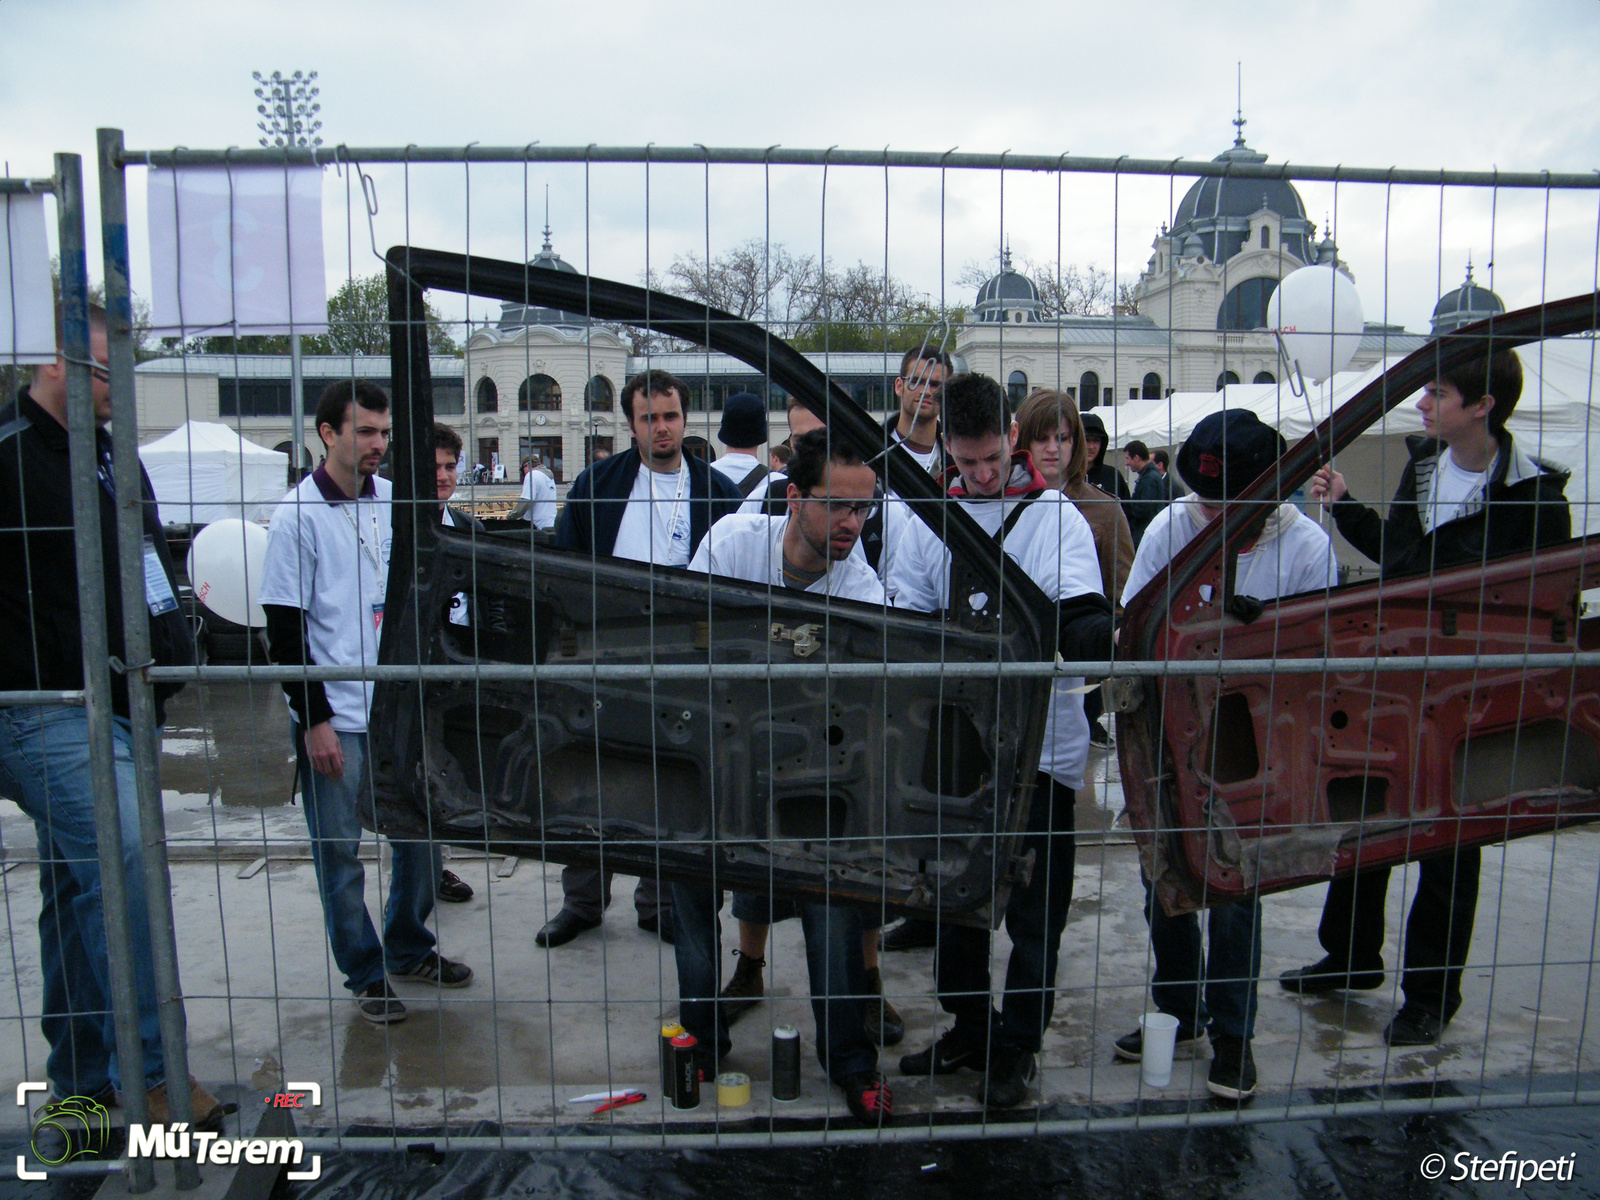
[[96, 669], [136, 639]]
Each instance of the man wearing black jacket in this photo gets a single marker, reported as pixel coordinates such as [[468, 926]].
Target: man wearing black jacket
[[651, 503], [1468, 494], [917, 391], [44, 751]]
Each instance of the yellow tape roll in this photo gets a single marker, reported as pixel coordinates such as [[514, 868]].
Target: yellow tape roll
[[733, 1089]]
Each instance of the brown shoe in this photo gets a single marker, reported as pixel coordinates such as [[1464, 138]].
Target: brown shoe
[[208, 1110], [744, 991]]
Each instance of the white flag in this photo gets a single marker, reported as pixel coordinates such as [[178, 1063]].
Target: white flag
[[27, 309], [237, 245]]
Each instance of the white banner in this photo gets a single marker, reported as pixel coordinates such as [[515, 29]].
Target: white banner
[[237, 245], [27, 308]]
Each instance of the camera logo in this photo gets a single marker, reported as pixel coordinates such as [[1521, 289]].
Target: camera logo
[[63, 1130]]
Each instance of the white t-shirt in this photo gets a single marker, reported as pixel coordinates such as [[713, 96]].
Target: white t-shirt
[[330, 558], [1451, 489], [1052, 544], [1293, 555], [655, 523], [894, 515], [924, 460], [737, 466], [751, 548], [540, 490], [756, 499]]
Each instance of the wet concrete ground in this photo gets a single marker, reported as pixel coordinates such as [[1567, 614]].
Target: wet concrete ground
[[538, 1027]]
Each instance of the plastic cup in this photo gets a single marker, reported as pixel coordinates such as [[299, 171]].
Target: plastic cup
[[1160, 1038]]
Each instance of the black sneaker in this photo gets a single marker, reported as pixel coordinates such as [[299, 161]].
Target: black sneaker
[[913, 933], [1413, 1026], [956, 1049], [378, 1004], [1099, 736], [437, 970], [870, 1100], [1130, 1047], [1329, 976], [884, 1024], [1233, 1068], [744, 991], [1005, 1084], [453, 889]]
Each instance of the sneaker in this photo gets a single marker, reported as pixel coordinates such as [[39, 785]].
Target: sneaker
[[436, 969], [870, 1100], [913, 933], [1005, 1084], [744, 991], [453, 889], [1099, 736], [1328, 976], [884, 1024], [1413, 1026], [956, 1049], [1130, 1047], [1233, 1068], [378, 1004]]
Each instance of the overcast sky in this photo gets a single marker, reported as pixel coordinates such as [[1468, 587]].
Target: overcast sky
[[1399, 82]]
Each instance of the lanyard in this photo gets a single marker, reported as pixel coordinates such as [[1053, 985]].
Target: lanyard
[[671, 526], [372, 549]]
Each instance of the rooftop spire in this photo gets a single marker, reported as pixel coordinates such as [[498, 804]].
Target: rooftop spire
[[547, 246], [1238, 118]]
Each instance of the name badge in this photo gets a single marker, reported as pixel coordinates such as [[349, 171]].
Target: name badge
[[158, 592], [377, 618]]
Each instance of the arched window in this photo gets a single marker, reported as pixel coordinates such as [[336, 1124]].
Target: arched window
[[1245, 306], [1226, 378], [1088, 390], [488, 396], [1017, 387], [1151, 390], [598, 395], [539, 393], [1264, 377], [1266, 238]]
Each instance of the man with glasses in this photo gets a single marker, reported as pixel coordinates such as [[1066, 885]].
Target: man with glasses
[[917, 390], [44, 751], [807, 550], [322, 586]]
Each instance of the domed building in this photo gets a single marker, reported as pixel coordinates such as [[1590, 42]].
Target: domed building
[[1198, 316], [1464, 305]]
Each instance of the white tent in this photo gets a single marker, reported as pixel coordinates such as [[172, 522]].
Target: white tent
[[203, 472], [1557, 419]]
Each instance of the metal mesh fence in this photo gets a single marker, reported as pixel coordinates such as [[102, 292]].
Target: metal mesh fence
[[859, 701]]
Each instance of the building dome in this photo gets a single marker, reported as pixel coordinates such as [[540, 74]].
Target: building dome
[[1217, 209], [1463, 306], [515, 315], [1008, 296]]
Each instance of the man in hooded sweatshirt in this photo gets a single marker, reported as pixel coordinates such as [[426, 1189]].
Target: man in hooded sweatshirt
[[1217, 990], [1106, 478]]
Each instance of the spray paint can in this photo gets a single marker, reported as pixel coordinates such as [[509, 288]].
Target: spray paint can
[[786, 1063], [685, 1091], [669, 1030]]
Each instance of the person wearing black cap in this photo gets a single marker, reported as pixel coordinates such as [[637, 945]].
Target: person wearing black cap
[[1470, 493], [1106, 478], [1226, 452], [742, 433]]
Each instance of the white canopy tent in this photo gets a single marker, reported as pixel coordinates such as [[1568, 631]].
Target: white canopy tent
[[1557, 419], [203, 472]]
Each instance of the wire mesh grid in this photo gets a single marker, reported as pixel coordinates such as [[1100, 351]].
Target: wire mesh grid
[[896, 741]]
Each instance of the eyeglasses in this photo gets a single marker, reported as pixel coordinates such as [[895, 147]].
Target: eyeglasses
[[103, 374], [865, 509], [927, 385]]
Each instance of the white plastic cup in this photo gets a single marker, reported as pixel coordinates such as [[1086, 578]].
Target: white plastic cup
[[1160, 1038]]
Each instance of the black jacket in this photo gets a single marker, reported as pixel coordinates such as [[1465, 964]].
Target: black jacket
[[1151, 493], [1526, 507], [593, 512], [39, 594]]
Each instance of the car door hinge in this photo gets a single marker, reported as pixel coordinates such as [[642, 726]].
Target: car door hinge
[[806, 638]]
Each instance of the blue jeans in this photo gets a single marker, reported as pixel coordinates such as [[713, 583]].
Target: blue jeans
[[44, 767], [331, 816], [833, 957], [1212, 988], [1036, 915]]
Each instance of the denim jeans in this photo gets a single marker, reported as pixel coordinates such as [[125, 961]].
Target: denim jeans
[[1213, 988], [44, 767], [331, 816], [1035, 918], [833, 958]]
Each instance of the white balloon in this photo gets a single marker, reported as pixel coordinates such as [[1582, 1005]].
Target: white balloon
[[226, 559], [1317, 311]]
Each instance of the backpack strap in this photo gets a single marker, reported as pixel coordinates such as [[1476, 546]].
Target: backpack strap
[[1015, 514], [756, 475]]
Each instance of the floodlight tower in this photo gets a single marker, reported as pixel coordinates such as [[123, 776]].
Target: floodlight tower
[[288, 111]]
